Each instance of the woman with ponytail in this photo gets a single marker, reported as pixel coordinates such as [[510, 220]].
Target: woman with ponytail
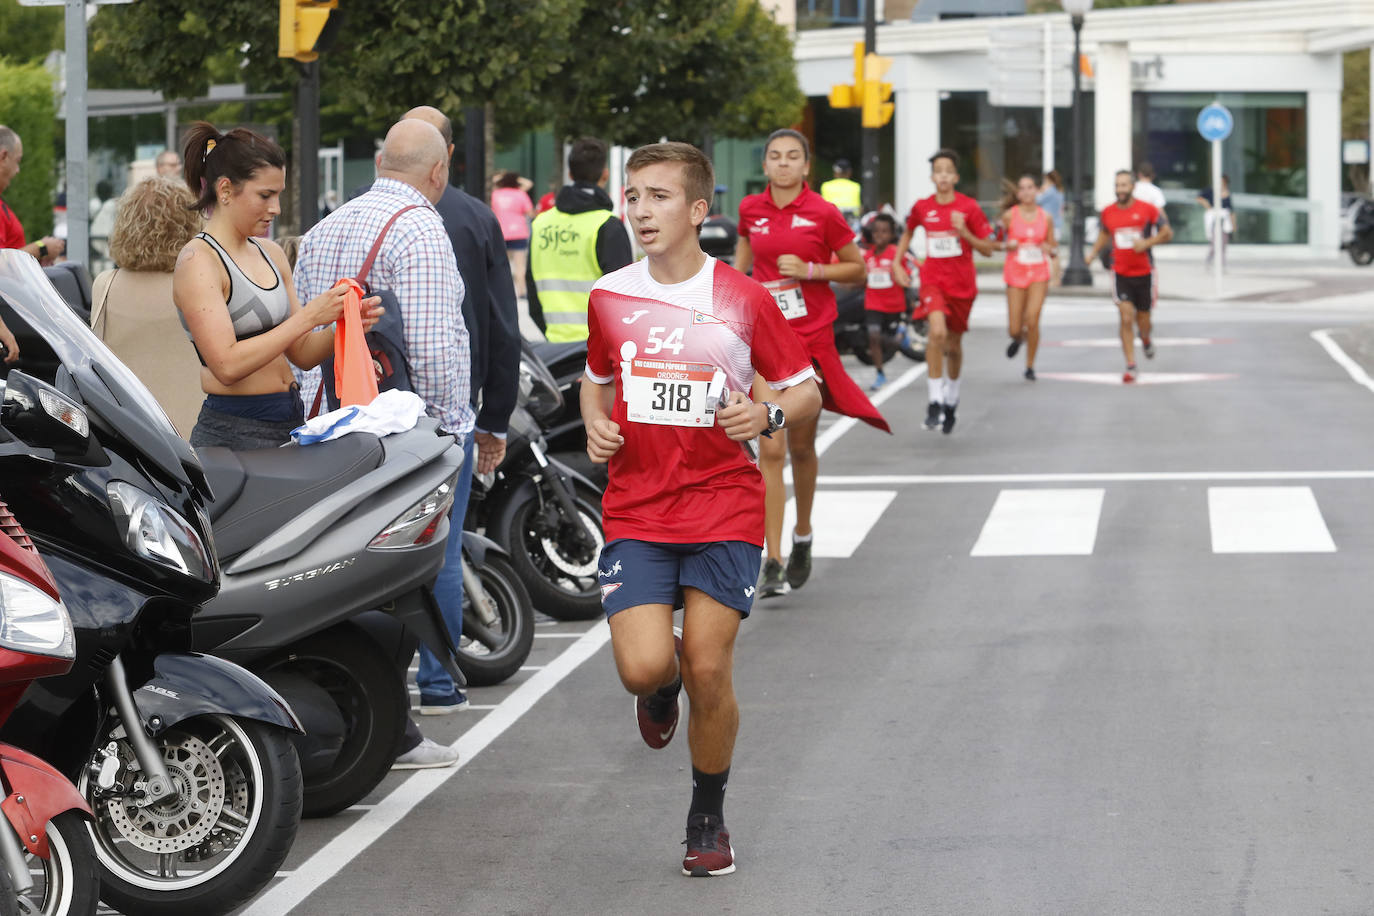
[[233, 289]]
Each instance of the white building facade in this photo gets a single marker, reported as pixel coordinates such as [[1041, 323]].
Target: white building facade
[[1276, 64]]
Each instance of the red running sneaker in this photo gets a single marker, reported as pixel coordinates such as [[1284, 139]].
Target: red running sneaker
[[657, 716], [1128, 376], [708, 848]]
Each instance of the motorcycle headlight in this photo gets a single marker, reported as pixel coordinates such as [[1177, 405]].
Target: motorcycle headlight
[[155, 532], [31, 621]]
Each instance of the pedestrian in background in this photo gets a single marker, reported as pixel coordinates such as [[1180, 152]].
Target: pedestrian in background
[[792, 238], [234, 292], [133, 311], [168, 164], [575, 244], [1029, 245], [47, 249], [510, 200], [1051, 199], [1212, 216], [843, 191]]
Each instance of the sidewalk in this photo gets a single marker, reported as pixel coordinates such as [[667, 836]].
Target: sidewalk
[[1276, 281]]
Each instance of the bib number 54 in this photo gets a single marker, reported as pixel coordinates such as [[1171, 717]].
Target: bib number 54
[[658, 343]]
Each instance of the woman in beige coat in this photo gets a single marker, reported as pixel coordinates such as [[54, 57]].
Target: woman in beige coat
[[133, 310]]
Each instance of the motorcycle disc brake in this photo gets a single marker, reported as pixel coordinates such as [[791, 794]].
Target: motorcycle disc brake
[[174, 825]]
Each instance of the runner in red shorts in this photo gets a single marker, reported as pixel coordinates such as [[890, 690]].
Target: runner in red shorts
[[1132, 227], [1030, 246], [789, 234], [955, 227]]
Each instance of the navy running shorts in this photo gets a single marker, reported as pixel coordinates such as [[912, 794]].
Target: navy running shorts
[[633, 572]]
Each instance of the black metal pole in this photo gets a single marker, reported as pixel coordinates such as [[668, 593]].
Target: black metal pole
[[308, 110], [868, 158], [1077, 274]]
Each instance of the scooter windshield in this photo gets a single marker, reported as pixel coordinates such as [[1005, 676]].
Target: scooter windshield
[[108, 388]]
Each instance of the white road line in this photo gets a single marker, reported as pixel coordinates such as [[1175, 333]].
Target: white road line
[[1267, 520], [893, 480], [344, 848], [557, 635], [1333, 349], [1041, 523], [841, 519]]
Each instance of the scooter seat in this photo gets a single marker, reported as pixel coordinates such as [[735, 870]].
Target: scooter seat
[[257, 491], [551, 354]]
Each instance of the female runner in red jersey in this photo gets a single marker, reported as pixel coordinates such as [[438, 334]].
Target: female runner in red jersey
[[1029, 245], [788, 234]]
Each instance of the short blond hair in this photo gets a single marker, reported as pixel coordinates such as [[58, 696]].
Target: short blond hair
[[153, 224], [698, 176]]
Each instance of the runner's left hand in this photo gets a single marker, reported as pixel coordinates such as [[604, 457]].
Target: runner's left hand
[[1140, 246], [789, 265], [743, 419]]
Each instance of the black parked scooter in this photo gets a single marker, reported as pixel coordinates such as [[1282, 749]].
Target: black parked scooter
[[546, 515], [185, 759]]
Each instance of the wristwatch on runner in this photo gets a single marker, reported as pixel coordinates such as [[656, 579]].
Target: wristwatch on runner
[[776, 420]]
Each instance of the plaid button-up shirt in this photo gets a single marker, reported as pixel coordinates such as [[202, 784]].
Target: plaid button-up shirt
[[415, 262]]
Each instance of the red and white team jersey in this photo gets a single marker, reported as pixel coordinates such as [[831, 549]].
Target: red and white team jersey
[[883, 293], [670, 350], [948, 264], [811, 228], [1125, 225]]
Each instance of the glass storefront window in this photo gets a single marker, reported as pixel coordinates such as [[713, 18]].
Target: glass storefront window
[[1265, 157]]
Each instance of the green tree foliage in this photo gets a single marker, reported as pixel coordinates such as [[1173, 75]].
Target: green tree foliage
[[646, 69], [30, 32], [27, 106]]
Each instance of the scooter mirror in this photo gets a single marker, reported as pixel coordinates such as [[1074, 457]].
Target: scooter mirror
[[40, 416]]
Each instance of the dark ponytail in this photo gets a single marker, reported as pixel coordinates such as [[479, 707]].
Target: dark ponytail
[[236, 154]]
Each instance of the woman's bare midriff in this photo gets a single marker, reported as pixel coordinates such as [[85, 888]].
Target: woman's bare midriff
[[274, 377]]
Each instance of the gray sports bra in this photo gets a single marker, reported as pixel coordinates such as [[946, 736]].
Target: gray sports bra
[[253, 309]]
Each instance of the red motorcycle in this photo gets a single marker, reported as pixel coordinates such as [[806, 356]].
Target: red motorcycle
[[48, 857]]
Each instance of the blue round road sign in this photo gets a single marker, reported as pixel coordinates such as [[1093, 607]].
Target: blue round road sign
[[1215, 122]]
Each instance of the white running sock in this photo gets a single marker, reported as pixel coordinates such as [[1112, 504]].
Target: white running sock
[[798, 539], [934, 389], [952, 391]]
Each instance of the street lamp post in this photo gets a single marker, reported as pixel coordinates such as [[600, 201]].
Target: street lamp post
[[1076, 274]]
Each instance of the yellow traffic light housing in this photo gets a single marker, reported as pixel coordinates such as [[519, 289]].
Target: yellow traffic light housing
[[300, 26], [844, 96], [877, 110]]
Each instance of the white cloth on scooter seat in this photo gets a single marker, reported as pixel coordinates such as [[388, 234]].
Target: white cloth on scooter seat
[[389, 412]]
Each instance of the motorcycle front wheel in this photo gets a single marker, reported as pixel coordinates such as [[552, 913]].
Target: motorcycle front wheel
[[488, 655], [67, 882], [219, 841], [1362, 254], [558, 570]]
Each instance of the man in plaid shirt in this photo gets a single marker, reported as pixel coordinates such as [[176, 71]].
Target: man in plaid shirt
[[415, 262]]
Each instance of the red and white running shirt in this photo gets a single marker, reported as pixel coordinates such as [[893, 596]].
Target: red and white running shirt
[[948, 264], [1126, 224], [813, 229], [669, 350], [883, 293]]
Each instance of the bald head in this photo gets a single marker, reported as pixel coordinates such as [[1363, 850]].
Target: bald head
[[431, 115], [415, 153]]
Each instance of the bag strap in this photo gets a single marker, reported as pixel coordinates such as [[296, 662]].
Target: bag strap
[[377, 245], [319, 395]]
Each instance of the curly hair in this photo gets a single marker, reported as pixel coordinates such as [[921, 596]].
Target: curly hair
[[153, 224]]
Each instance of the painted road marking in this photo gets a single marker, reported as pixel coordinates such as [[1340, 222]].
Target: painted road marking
[[896, 480], [335, 855], [1114, 343], [1342, 359], [840, 520], [1041, 523], [1267, 520], [1144, 378]]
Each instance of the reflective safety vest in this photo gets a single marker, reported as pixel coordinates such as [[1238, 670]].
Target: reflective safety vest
[[563, 263], [843, 193]]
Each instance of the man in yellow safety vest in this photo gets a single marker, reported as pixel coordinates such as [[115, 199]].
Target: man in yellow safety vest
[[573, 244], [843, 191]]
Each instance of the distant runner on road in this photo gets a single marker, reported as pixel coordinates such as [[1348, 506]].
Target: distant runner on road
[[683, 511], [955, 228], [1132, 227], [1030, 247]]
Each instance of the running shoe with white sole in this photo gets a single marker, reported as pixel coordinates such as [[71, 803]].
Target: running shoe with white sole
[[1149, 349], [933, 413], [799, 564], [771, 583], [657, 716], [708, 848]]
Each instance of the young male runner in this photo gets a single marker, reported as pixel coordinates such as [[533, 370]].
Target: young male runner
[[1132, 227], [683, 510], [955, 228]]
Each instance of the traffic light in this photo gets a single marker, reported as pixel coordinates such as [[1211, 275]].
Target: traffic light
[[844, 96], [302, 24], [877, 110]]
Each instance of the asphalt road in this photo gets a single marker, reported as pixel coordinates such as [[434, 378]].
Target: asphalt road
[[1092, 655]]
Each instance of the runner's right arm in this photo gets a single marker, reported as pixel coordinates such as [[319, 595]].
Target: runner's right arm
[[1103, 240], [744, 255], [603, 433]]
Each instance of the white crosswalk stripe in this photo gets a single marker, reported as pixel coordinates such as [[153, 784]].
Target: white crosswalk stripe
[[1026, 523], [841, 519], [1267, 520]]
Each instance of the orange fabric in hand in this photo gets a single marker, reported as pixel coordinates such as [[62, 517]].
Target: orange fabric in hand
[[355, 379]]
